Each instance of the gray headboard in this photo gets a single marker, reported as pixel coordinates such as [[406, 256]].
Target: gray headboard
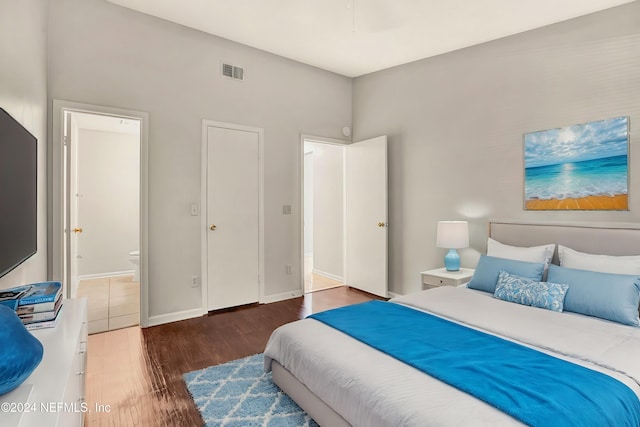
[[595, 238]]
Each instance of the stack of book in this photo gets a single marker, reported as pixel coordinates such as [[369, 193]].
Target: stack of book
[[38, 305]]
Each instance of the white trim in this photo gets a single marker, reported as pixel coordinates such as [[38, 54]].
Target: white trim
[[104, 275], [328, 275], [323, 140], [204, 261], [174, 317], [345, 270], [393, 294], [55, 233], [267, 299], [623, 225]]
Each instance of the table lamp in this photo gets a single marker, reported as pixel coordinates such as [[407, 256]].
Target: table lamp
[[452, 235]]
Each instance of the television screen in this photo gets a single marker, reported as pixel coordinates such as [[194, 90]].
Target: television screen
[[18, 193]]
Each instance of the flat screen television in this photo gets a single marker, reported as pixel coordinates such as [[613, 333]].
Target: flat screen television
[[18, 193]]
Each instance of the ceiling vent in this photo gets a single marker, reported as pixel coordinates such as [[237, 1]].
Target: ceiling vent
[[232, 71]]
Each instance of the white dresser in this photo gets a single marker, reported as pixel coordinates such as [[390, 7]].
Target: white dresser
[[54, 394]]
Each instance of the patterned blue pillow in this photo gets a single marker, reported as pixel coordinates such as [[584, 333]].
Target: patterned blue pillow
[[525, 291]]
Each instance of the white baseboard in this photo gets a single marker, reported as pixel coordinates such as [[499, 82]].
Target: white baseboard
[[175, 317], [393, 294], [103, 275], [328, 275], [280, 297]]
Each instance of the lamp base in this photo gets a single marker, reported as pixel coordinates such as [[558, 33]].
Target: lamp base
[[452, 260]]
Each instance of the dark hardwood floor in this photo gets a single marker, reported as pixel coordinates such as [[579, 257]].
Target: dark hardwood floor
[[138, 372]]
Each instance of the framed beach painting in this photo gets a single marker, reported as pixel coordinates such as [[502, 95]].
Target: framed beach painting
[[579, 167]]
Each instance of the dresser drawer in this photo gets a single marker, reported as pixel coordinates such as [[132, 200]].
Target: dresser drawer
[[439, 281], [442, 277]]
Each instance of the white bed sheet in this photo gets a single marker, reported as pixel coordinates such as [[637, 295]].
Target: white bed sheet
[[369, 388]]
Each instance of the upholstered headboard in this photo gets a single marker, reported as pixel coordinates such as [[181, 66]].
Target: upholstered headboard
[[595, 238]]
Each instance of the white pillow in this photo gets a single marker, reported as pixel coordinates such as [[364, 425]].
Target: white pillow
[[542, 253], [570, 258]]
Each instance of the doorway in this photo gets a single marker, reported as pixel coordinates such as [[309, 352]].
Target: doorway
[[104, 202], [344, 221], [99, 211], [323, 196]]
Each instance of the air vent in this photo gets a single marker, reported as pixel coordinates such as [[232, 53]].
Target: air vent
[[232, 71]]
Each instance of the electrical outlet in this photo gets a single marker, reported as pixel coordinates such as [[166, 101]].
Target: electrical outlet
[[194, 281], [289, 268]]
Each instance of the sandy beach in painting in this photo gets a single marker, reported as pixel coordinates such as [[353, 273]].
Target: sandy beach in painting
[[618, 202], [579, 167]]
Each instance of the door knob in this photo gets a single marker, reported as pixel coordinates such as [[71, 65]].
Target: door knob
[[381, 224], [212, 227], [77, 230]]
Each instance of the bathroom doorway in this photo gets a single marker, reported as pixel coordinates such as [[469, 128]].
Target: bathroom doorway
[[102, 210], [323, 218]]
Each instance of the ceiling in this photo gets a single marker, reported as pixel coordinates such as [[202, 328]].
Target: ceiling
[[355, 37]]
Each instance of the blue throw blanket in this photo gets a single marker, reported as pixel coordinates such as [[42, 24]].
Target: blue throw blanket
[[533, 387]]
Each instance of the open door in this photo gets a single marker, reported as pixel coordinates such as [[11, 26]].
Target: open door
[[366, 216]]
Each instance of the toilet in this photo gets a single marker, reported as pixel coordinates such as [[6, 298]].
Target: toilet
[[134, 257]]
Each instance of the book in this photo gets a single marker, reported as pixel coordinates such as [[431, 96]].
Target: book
[[44, 324], [42, 315], [9, 297], [38, 293], [38, 308]]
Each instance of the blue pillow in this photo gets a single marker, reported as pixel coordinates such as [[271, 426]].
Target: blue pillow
[[20, 352], [486, 275], [608, 296], [525, 291]]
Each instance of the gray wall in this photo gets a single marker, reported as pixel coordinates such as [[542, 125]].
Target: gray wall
[[23, 94], [455, 125], [100, 53]]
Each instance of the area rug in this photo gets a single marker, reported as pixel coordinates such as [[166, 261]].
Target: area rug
[[240, 394]]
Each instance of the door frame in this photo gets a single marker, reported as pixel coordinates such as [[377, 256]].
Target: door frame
[[204, 259], [329, 141], [55, 203]]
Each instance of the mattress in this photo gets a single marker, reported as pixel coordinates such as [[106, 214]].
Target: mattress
[[369, 388]]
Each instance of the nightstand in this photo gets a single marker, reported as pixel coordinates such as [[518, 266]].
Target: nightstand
[[442, 277]]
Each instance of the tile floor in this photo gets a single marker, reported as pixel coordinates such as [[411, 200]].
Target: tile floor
[[113, 302], [315, 282]]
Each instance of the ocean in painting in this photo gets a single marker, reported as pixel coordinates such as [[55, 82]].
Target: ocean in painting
[[577, 161], [605, 176]]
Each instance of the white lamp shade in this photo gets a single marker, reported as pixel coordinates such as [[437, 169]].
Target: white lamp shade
[[453, 234]]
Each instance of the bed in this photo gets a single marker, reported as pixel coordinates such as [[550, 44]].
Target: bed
[[341, 381]]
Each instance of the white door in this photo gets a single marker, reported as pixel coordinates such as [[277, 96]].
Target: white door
[[366, 215], [233, 218]]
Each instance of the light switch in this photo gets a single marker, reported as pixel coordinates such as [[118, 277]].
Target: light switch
[[194, 209], [286, 209]]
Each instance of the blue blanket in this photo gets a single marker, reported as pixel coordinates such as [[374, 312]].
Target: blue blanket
[[533, 387]]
